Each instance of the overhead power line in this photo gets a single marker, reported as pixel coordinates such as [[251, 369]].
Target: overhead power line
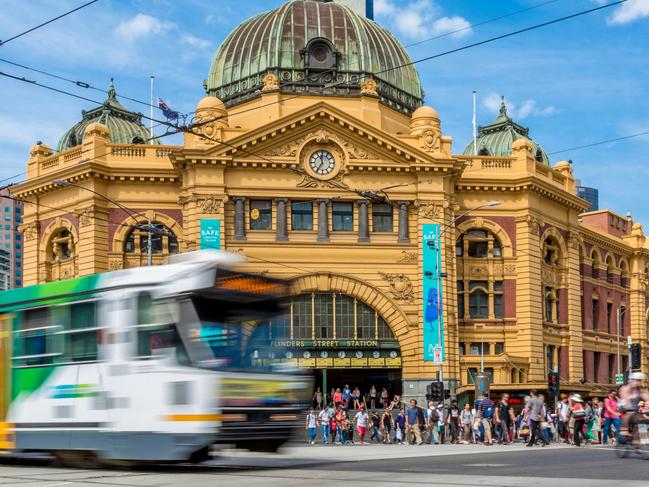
[[477, 24], [602, 142], [2, 43]]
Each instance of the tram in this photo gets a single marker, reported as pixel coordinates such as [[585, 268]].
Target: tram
[[151, 364]]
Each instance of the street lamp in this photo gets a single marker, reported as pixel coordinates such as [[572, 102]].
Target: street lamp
[[148, 227], [436, 243]]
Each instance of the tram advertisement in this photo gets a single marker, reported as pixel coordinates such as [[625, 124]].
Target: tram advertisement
[[433, 329]]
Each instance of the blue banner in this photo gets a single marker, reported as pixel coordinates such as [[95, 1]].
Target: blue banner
[[433, 326], [211, 234]]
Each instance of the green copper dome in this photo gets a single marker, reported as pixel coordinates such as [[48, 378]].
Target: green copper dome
[[496, 138], [125, 127], [314, 47]]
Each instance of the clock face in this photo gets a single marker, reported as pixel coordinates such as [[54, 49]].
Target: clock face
[[322, 162]]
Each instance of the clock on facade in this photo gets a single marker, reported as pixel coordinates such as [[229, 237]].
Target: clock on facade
[[359, 354], [322, 162]]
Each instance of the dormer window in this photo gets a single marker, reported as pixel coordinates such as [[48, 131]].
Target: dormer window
[[319, 53], [484, 152], [538, 156]]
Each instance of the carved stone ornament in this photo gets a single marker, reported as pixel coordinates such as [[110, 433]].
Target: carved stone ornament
[[407, 258], [534, 224], [510, 269], [334, 183], [30, 232], [574, 240], [400, 286], [115, 263], [430, 141], [431, 210], [211, 205], [271, 82], [320, 136], [86, 217], [368, 87]]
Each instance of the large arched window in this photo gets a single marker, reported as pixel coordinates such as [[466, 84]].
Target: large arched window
[[163, 240], [330, 316], [595, 265], [552, 275], [480, 298]]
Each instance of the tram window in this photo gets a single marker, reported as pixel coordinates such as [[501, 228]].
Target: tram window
[[33, 340], [144, 309], [82, 336], [153, 340]]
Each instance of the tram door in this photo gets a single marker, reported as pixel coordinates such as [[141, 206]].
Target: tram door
[[6, 435]]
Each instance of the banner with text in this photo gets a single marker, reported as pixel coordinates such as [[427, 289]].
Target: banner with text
[[433, 326], [211, 234]]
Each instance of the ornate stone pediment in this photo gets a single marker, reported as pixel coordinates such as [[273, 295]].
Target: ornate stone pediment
[[334, 183]]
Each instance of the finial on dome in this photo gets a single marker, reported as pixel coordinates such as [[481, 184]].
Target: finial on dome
[[503, 107], [112, 94]]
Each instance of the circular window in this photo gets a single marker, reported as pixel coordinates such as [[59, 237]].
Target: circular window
[[320, 53]]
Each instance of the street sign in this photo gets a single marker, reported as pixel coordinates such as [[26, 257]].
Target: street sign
[[437, 355], [619, 379]]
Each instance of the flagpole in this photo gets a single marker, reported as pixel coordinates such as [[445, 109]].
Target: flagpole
[[475, 134], [151, 113]]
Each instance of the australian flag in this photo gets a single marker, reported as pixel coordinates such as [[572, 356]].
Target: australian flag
[[168, 112]]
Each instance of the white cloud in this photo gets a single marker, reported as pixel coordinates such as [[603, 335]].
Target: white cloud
[[196, 42], [143, 25], [527, 108], [630, 11], [421, 19]]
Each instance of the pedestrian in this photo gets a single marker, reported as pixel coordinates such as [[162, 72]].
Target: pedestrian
[[333, 426], [504, 417], [400, 427], [361, 420], [396, 402], [356, 397], [612, 416], [563, 418], [350, 430], [578, 414], [372, 397], [375, 424], [486, 410], [317, 398], [433, 418], [324, 418], [466, 418], [386, 426], [347, 394], [413, 414], [341, 415], [535, 411], [596, 427], [453, 422], [384, 398], [338, 397], [311, 425]]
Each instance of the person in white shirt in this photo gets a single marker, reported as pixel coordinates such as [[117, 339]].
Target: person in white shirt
[[324, 418], [311, 426], [361, 420]]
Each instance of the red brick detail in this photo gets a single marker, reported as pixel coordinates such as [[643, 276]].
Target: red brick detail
[[118, 217], [509, 287], [562, 294], [564, 363], [589, 365]]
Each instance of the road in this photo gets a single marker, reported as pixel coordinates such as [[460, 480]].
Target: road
[[376, 465]]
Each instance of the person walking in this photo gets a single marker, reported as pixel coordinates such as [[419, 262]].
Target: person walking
[[372, 397], [311, 425], [386, 426], [466, 418], [400, 427], [347, 394], [563, 418], [356, 397], [596, 426], [375, 424], [453, 422], [338, 397], [317, 399], [432, 419], [324, 418], [384, 398], [504, 418], [361, 420], [578, 414], [612, 416], [413, 414], [486, 410], [535, 411], [341, 416]]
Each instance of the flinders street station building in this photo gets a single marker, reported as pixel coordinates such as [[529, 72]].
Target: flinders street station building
[[313, 155]]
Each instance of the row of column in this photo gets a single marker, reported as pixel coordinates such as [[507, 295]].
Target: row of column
[[323, 220]]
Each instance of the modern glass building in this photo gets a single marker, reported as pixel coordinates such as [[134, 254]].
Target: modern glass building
[[11, 216]]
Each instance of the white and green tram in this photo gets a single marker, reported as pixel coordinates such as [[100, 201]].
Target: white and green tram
[[146, 364]]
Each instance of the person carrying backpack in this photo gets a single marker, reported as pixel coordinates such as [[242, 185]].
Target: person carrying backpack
[[486, 411], [433, 422]]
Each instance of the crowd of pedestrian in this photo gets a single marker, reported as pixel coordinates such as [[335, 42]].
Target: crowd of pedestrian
[[349, 419]]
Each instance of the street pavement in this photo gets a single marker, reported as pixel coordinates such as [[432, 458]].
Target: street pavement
[[376, 465]]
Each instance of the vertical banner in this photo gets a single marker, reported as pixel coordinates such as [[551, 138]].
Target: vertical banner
[[433, 326], [211, 234]]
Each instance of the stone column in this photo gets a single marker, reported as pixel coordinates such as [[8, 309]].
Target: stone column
[[403, 221], [282, 228], [239, 218], [323, 220], [363, 223]]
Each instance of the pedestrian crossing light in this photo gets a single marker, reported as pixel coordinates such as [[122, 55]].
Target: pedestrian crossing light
[[435, 391], [553, 384]]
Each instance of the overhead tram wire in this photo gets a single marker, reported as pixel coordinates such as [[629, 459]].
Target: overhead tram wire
[[477, 24], [602, 142], [2, 43]]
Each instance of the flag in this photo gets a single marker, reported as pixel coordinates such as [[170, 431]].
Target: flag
[[168, 112]]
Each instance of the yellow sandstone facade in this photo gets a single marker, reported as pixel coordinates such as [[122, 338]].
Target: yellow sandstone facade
[[331, 190]]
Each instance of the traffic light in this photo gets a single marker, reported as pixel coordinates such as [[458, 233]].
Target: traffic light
[[635, 350], [553, 384], [435, 391]]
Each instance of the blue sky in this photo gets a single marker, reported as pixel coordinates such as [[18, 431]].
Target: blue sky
[[573, 83]]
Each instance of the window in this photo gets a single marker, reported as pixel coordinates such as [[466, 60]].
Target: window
[[595, 266], [18, 246], [343, 217], [460, 299], [19, 264], [302, 215], [479, 348], [261, 215], [19, 282], [34, 339], [462, 349], [7, 227], [18, 210], [281, 327], [18, 219], [345, 307], [499, 312], [17, 255], [549, 358], [478, 304], [8, 236], [162, 240], [382, 214], [549, 305], [61, 245], [19, 237], [302, 316], [499, 348], [7, 209], [324, 317], [81, 344], [597, 360], [595, 313], [7, 218], [365, 325], [19, 274]]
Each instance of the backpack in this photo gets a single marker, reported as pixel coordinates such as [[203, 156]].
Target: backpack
[[434, 416], [489, 412]]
